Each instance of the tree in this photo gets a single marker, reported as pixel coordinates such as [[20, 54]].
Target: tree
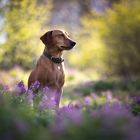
[[23, 22], [109, 42], [120, 31]]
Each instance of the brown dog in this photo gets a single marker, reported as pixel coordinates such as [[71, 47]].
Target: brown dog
[[49, 69]]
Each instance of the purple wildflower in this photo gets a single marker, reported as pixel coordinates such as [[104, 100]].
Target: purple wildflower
[[137, 99], [43, 103], [75, 116], [114, 110], [70, 114], [20, 87], [52, 102], [45, 90], [64, 109], [59, 125], [47, 102], [88, 100], [29, 97], [109, 96], [94, 96], [35, 85], [75, 104], [5, 87], [64, 117]]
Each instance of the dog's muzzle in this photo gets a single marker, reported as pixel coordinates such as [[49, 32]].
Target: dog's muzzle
[[73, 43]]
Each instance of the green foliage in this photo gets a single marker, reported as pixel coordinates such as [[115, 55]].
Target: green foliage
[[89, 51], [20, 121], [91, 129], [109, 42], [120, 30], [99, 117], [117, 87], [135, 108], [23, 22]]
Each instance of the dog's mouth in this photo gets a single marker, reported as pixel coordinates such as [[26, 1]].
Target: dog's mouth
[[64, 47], [72, 44], [67, 47]]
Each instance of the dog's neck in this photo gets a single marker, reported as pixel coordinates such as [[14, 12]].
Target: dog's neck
[[53, 52], [53, 55]]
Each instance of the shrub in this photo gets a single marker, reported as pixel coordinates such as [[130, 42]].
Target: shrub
[[120, 31], [23, 22]]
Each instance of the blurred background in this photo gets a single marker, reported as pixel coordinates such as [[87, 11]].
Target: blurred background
[[107, 33], [102, 88]]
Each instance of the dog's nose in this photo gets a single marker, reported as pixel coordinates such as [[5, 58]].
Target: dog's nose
[[73, 43]]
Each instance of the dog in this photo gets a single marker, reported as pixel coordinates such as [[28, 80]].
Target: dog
[[49, 70]]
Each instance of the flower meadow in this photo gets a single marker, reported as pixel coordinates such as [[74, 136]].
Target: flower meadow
[[31, 115]]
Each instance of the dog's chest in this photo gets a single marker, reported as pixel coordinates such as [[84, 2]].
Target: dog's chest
[[59, 71], [58, 67], [57, 74]]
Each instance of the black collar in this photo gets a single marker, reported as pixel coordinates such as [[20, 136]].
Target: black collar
[[57, 60]]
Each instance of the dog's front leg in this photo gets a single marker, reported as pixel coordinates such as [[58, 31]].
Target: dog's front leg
[[55, 93], [58, 97]]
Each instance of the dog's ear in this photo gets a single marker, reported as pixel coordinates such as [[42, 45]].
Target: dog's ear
[[47, 38]]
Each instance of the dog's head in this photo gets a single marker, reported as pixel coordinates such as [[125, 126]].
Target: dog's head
[[59, 39]]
